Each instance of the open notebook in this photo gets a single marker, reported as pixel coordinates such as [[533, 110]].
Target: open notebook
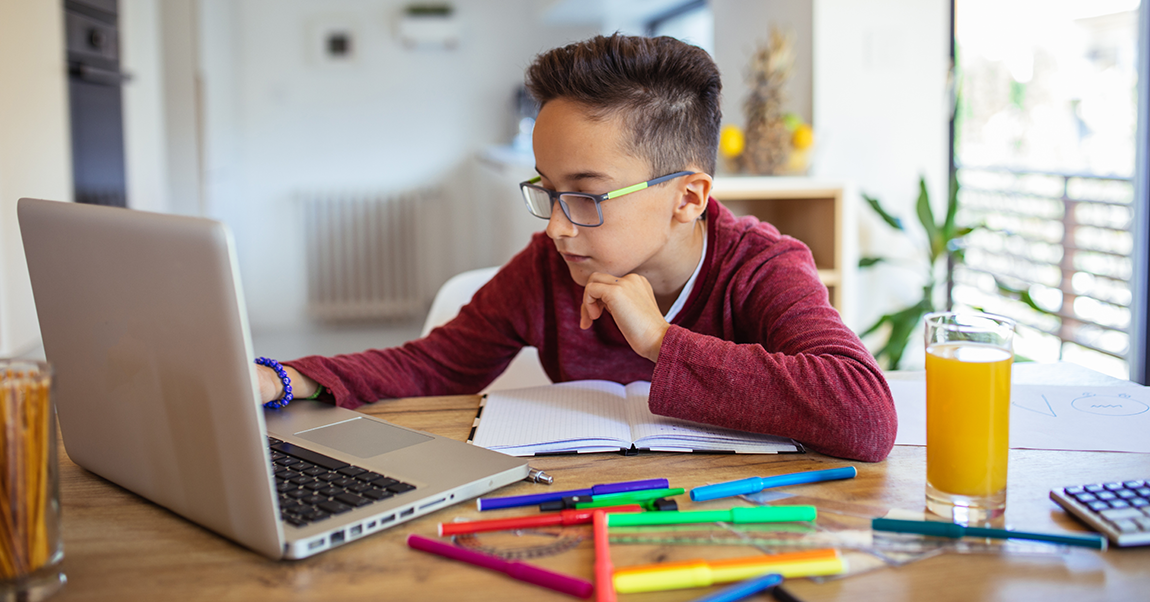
[[601, 416]]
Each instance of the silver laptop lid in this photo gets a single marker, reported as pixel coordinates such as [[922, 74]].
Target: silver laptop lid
[[142, 318]]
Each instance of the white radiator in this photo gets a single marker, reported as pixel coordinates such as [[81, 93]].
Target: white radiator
[[365, 256]]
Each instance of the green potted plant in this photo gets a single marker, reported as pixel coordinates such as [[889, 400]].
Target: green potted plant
[[943, 245]]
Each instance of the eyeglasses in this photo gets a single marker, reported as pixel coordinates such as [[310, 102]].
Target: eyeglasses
[[579, 207]]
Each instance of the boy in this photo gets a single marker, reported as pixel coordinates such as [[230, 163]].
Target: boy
[[659, 282]]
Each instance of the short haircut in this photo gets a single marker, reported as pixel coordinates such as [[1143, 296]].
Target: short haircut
[[665, 90]]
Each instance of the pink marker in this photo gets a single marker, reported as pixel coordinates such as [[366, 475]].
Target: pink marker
[[522, 571]]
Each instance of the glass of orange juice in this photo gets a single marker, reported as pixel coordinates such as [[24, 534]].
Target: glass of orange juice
[[968, 359]]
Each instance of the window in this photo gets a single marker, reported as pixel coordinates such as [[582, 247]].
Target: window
[[1045, 149]]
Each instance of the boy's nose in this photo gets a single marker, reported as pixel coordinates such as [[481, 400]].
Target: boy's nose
[[558, 226]]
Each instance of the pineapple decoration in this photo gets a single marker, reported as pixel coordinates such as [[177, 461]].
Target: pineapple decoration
[[768, 139]]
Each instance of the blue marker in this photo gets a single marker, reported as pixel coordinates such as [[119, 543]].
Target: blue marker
[[744, 589], [757, 484], [493, 503]]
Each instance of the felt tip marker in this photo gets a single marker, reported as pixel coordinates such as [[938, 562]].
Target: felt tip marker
[[744, 589], [757, 484], [955, 531], [756, 514], [573, 586], [701, 573], [604, 585], [562, 518], [493, 503], [631, 497]]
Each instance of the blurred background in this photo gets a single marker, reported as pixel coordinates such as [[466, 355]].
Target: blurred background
[[364, 151]]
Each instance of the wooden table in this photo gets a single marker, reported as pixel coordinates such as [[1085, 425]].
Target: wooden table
[[121, 547]]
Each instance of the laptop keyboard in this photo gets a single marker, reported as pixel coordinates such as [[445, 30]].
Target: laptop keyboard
[[313, 486]]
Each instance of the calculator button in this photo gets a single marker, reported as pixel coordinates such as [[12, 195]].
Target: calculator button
[[1126, 526], [1143, 522], [1139, 502], [1135, 484], [1099, 506], [1117, 514], [1107, 495], [1073, 490], [1113, 486], [1093, 488], [1126, 494], [1119, 504], [1143, 491], [1086, 497]]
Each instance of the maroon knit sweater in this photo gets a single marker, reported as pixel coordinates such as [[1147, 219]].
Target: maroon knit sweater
[[757, 347]]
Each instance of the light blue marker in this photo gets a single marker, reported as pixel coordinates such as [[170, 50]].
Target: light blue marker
[[744, 589], [757, 484]]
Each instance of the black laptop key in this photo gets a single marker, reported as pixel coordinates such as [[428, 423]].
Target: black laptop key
[[377, 494], [384, 482], [314, 485], [358, 487], [287, 461], [329, 476], [352, 499], [286, 487], [330, 491], [400, 487], [298, 493], [315, 471], [351, 471], [313, 499], [301, 480], [273, 441], [296, 521], [309, 456], [368, 476], [333, 507], [344, 482]]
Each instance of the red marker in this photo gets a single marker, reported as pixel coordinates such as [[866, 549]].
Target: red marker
[[551, 519]]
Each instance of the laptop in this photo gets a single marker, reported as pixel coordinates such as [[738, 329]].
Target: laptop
[[143, 321]]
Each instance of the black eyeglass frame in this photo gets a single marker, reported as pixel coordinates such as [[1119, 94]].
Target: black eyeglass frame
[[529, 185]]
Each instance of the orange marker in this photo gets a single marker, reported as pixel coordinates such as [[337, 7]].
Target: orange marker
[[604, 585], [551, 519]]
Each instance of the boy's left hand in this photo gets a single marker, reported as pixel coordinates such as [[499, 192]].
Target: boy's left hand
[[631, 302]]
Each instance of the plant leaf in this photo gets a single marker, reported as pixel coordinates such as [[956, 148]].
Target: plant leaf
[[866, 262], [891, 220], [926, 218]]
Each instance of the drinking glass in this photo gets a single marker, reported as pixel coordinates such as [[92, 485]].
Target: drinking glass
[[30, 544], [968, 360]]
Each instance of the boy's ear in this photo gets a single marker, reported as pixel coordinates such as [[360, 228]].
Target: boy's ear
[[696, 190]]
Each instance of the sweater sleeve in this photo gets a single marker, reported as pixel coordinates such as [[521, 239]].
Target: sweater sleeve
[[792, 368], [460, 357]]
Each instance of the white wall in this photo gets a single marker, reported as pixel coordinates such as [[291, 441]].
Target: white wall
[[880, 118], [279, 119], [35, 152]]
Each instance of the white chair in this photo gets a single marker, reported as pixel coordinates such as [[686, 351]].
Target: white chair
[[525, 370]]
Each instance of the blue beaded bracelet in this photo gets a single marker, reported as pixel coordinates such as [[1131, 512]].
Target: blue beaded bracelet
[[284, 378]]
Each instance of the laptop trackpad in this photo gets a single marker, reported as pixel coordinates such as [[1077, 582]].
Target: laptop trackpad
[[363, 438]]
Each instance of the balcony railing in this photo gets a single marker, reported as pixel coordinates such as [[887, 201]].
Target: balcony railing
[[1052, 252]]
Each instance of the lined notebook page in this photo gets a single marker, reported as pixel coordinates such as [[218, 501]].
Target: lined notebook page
[[585, 416], [659, 432]]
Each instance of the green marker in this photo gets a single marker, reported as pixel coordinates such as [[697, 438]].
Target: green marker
[[757, 514], [629, 497]]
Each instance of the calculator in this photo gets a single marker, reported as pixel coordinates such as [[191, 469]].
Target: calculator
[[1119, 510]]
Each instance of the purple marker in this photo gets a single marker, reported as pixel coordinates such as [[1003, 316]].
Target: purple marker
[[494, 503], [522, 571]]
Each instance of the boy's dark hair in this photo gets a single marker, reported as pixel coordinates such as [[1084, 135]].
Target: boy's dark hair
[[665, 90]]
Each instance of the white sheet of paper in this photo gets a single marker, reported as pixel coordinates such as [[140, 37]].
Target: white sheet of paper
[[1087, 418]]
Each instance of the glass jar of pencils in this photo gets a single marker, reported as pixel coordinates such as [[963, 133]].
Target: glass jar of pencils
[[30, 542]]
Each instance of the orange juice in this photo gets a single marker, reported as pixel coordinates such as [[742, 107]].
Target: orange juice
[[967, 418]]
